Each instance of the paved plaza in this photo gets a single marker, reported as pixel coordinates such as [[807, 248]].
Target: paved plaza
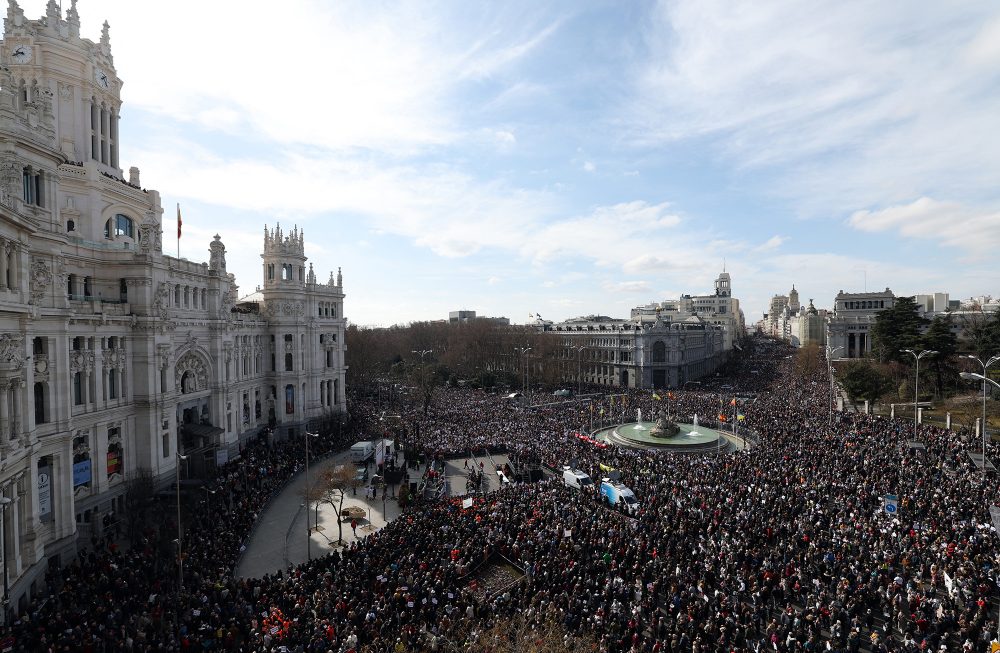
[[280, 538]]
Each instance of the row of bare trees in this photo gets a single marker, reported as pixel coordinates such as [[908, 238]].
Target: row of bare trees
[[480, 351]]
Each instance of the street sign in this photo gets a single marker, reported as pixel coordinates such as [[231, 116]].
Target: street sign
[[891, 504]]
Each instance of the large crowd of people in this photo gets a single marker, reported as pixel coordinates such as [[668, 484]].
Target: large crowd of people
[[782, 546]]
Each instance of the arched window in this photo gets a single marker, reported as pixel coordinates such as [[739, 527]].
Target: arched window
[[659, 352], [288, 362], [289, 399], [120, 225]]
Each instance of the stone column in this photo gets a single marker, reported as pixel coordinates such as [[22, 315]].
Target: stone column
[[15, 265], [3, 264], [920, 415], [14, 511], [947, 421], [978, 427], [4, 413], [867, 408], [18, 423], [892, 411]]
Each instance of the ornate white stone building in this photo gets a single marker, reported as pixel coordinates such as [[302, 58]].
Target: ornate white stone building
[[632, 354], [115, 358], [854, 314], [719, 308], [662, 345]]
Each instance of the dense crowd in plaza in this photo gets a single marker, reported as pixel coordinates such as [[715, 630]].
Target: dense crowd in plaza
[[783, 546]]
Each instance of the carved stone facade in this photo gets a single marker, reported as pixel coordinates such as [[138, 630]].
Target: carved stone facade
[[115, 358]]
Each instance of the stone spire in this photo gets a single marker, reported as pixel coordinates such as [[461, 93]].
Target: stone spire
[[73, 18], [106, 37], [52, 14], [15, 16], [340, 279]]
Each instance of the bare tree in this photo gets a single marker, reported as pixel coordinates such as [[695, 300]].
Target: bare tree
[[331, 487]]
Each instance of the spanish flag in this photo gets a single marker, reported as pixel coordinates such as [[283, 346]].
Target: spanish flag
[[722, 418], [670, 395], [657, 397], [733, 402], [179, 221]]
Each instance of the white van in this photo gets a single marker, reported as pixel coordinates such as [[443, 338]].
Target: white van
[[362, 451], [576, 478]]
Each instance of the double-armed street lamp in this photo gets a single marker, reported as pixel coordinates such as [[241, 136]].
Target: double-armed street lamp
[[579, 355], [830, 351], [4, 502], [916, 382], [308, 436], [524, 388], [972, 376], [180, 537]]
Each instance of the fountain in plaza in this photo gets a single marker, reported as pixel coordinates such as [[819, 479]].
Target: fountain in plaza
[[661, 433]]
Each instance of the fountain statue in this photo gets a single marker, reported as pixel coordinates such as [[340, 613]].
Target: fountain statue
[[638, 415], [664, 428]]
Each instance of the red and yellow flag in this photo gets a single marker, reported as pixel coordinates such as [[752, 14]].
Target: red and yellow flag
[[179, 221]]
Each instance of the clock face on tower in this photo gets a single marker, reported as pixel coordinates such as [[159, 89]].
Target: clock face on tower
[[102, 78], [21, 54]]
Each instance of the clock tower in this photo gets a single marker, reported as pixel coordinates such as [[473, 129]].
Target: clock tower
[[63, 87]]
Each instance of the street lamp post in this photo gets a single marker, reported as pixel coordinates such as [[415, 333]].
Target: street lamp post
[[916, 382], [180, 537], [579, 355], [4, 502], [830, 351], [524, 358], [308, 435], [971, 376]]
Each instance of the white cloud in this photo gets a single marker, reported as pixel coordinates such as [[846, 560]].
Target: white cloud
[[626, 286], [868, 106], [589, 166], [371, 76], [772, 243], [975, 231]]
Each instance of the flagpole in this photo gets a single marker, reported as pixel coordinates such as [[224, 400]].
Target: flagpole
[[178, 229]]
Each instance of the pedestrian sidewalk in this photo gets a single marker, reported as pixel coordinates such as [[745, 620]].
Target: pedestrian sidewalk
[[280, 539]]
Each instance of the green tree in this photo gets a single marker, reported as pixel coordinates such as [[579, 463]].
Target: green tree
[[897, 328], [940, 338], [865, 381]]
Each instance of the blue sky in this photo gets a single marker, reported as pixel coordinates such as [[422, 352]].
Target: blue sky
[[573, 158]]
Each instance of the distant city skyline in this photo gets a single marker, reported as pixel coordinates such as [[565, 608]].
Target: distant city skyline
[[564, 160]]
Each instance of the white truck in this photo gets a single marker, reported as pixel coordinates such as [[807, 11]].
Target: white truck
[[576, 478], [616, 493], [362, 451]]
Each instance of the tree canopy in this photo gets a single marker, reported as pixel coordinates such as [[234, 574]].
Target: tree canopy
[[897, 328]]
